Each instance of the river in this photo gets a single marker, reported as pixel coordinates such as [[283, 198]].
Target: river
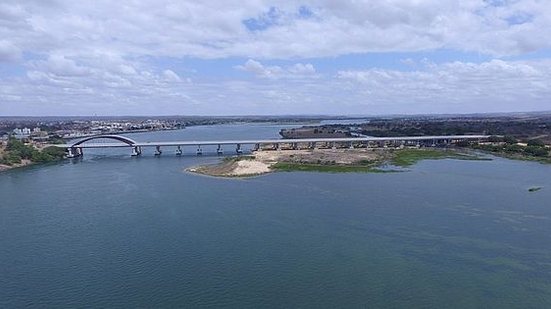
[[115, 231]]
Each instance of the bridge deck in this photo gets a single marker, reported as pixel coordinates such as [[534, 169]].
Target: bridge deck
[[278, 141]]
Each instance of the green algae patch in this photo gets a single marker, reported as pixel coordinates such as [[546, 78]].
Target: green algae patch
[[291, 167], [408, 157]]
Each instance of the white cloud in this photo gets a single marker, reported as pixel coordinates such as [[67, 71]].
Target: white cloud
[[213, 29], [86, 57], [302, 69], [169, 75], [61, 66], [8, 51], [297, 70], [126, 69], [494, 85], [261, 70]]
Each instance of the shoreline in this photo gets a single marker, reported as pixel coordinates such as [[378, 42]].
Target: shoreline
[[24, 163]]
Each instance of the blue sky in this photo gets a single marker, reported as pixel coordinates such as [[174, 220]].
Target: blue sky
[[274, 57]]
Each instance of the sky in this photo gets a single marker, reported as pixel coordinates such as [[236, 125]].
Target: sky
[[255, 57]]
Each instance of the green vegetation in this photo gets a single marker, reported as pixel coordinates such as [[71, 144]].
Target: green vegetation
[[535, 149], [408, 157], [48, 154], [289, 167], [16, 151]]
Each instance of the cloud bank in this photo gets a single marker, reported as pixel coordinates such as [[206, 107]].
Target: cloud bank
[[110, 57]]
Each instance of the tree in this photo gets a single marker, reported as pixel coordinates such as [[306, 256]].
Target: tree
[[509, 139], [495, 139], [536, 151], [17, 151], [514, 148], [536, 143]]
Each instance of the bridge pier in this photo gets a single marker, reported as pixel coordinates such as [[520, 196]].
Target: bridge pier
[[136, 151], [179, 151], [74, 152], [158, 151]]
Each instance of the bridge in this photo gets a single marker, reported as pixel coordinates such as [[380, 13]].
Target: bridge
[[76, 149]]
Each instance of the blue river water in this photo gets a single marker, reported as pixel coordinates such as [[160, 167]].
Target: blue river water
[[115, 231]]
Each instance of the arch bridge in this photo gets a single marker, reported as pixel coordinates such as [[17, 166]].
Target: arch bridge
[[75, 149]]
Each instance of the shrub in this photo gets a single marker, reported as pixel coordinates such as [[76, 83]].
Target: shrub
[[536, 143], [495, 139], [12, 158], [536, 151], [509, 139]]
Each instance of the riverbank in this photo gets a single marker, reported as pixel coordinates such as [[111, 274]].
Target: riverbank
[[5, 167], [16, 154], [326, 160]]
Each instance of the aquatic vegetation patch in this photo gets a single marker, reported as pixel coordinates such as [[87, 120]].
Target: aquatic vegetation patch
[[290, 167], [408, 157]]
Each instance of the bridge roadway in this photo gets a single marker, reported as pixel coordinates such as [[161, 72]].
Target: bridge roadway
[[278, 141]]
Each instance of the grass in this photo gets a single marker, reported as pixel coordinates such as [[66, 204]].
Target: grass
[[408, 157], [289, 167]]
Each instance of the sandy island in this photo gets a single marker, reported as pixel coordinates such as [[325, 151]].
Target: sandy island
[[262, 162], [326, 160]]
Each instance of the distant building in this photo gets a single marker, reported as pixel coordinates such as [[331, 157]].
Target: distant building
[[315, 132], [21, 133]]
